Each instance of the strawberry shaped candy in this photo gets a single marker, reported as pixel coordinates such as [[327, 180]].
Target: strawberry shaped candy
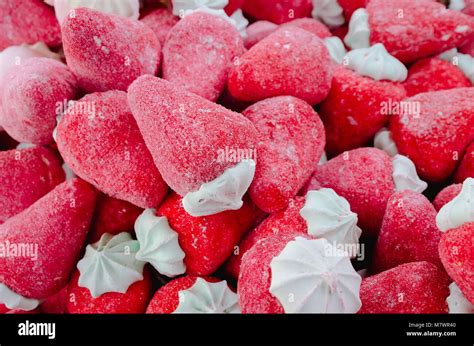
[[191, 294], [160, 20], [101, 125], [175, 242], [290, 61], [28, 22], [292, 274], [321, 214], [258, 31], [361, 101], [125, 8], [409, 29], [435, 132], [203, 151], [311, 25], [466, 167], [410, 288], [133, 301], [367, 177], [456, 248], [108, 52], [30, 95], [291, 142], [434, 74], [56, 226], [112, 216], [277, 11], [446, 195], [26, 175], [409, 232], [198, 54]]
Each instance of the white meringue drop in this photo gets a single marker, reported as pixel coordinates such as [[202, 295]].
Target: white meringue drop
[[383, 141], [336, 48], [208, 297], [459, 210], [329, 12], [457, 303], [15, 301], [310, 276], [223, 193], [110, 265], [405, 176], [329, 216], [464, 62], [375, 62], [457, 5], [159, 244], [358, 35]]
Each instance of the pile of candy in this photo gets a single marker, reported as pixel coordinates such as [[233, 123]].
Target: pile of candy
[[170, 157]]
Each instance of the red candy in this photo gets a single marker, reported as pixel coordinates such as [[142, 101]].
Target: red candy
[[30, 95], [28, 21], [409, 232], [439, 134], [353, 111], [134, 301], [414, 29], [58, 224], [309, 24], [456, 250], [434, 74], [277, 11], [466, 167], [170, 119], [26, 175], [446, 195], [291, 61], [207, 241], [291, 142], [411, 288], [198, 54], [101, 126], [112, 216], [108, 52], [364, 177], [160, 20], [258, 31]]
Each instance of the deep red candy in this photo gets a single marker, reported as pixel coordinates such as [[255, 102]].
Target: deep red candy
[[99, 139], [30, 95], [436, 137], [108, 52], [466, 167], [354, 110], [208, 241], [26, 176], [350, 6], [411, 288], [414, 29], [277, 11], [112, 216], [199, 52], [58, 224], [409, 232], [285, 221], [456, 250], [446, 195], [290, 61], [134, 301], [434, 74], [290, 143]]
